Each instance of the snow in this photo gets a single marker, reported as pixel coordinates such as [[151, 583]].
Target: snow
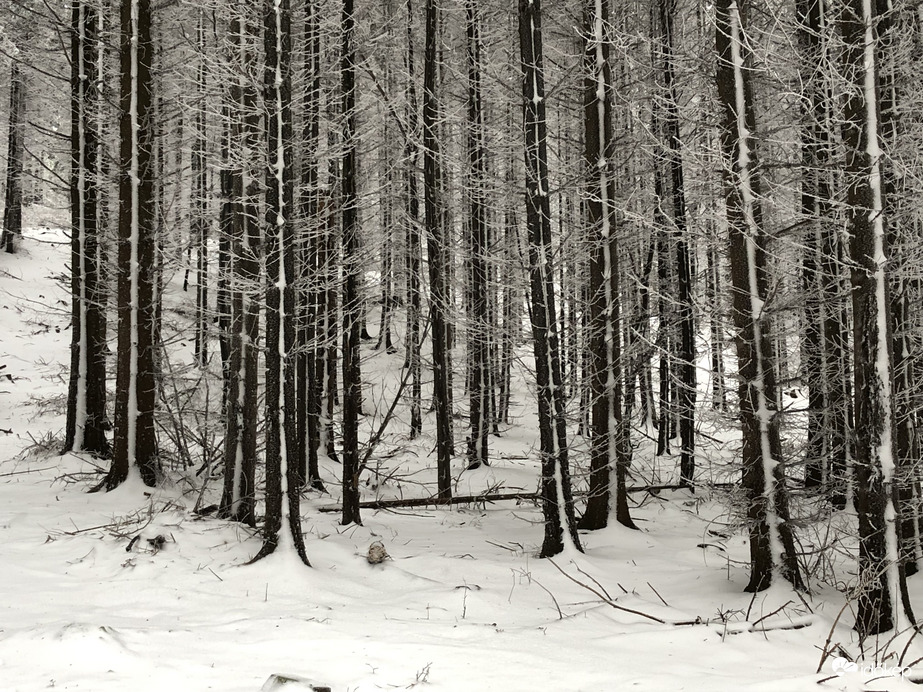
[[463, 604]]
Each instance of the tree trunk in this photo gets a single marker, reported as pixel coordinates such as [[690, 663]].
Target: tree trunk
[[352, 301], [200, 221], [12, 201], [826, 449], [413, 249], [686, 382], [771, 536], [883, 603], [283, 487], [557, 502], [135, 441], [86, 401], [479, 380], [314, 212], [436, 254], [241, 414], [610, 443]]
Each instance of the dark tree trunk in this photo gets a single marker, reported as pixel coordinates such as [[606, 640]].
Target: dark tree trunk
[[199, 203], [763, 472], [436, 254], [135, 441], [352, 301], [241, 411], [314, 211], [686, 382], [479, 381], [557, 502], [822, 343], [12, 201], [413, 250], [610, 443], [882, 599], [716, 331], [86, 402], [283, 487]]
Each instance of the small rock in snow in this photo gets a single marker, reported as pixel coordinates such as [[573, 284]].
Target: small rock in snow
[[292, 683], [377, 553]]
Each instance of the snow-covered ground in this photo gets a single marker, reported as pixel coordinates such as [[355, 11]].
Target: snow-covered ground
[[463, 603]]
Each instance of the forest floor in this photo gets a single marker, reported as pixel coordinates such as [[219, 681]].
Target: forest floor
[[132, 590]]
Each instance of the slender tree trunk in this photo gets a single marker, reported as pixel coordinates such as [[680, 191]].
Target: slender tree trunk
[[826, 449], [12, 201], [610, 443], [135, 442], [314, 211], [436, 252], [413, 250], [238, 500], [686, 382], [86, 402], [200, 221], [352, 301], [478, 324], [282, 523], [716, 331], [771, 536], [557, 502]]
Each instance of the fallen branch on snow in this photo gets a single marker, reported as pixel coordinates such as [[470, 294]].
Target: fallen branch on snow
[[427, 501]]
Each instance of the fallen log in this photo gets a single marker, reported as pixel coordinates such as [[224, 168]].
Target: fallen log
[[489, 497], [427, 501]]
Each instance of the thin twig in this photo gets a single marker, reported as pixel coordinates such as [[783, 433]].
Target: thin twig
[[621, 607]]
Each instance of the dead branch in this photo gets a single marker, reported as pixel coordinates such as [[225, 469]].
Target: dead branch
[[608, 601]]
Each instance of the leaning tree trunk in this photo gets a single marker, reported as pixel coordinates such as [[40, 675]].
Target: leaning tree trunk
[[282, 524], [12, 201], [771, 536], [883, 602], [557, 502], [86, 401], [610, 442]]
